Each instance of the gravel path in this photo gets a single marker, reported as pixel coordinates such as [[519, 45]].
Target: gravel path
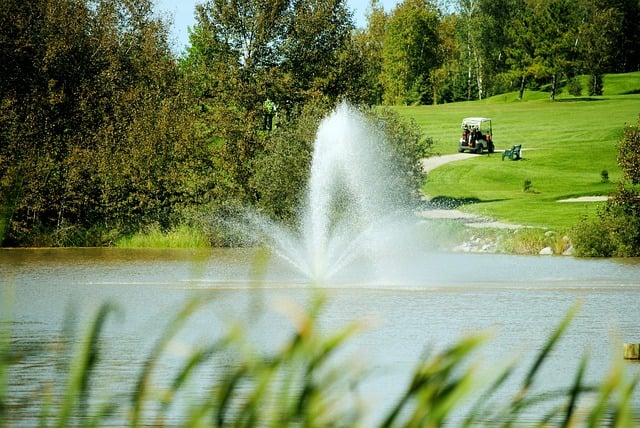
[[433, 162]]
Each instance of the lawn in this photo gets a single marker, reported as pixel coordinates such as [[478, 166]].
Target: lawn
[[567, 144]]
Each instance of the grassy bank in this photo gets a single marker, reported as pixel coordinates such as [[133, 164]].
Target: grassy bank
[[567, 145]]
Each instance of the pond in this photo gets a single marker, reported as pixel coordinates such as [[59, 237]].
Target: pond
[[429, 301]]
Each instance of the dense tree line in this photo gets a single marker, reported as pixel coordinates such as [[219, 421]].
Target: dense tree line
[[105, 130], [94, 129], [432, 52]]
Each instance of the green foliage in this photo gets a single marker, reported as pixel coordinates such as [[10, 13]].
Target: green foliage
[[629, 153], [406, 146], [409, 52], [616, 231], [310, 381], [369, 42], [92, 123], [104, 132], [282, 170]]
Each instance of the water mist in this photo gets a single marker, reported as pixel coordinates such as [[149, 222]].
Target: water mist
[[353, 214]]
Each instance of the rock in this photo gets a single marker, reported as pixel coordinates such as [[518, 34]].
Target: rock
[[546, 251]]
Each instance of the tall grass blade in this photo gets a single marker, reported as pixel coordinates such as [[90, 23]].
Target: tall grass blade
[[575, 392], [480, 410], [139, 395], [623, 411], [606, 410], [435, 389], [82, 367], [227, 388], [317, 358], [544, 353], [195, 361]]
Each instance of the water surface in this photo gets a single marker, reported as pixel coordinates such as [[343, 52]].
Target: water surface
[[428, 301]]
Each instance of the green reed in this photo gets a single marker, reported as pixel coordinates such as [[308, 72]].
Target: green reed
[[311, 382]]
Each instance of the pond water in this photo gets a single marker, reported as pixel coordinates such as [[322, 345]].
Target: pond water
[[429, 301]]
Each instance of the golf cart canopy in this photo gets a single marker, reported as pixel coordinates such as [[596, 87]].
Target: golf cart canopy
[[475, 121]]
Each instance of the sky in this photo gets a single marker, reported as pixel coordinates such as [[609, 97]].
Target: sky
[[182, 11]]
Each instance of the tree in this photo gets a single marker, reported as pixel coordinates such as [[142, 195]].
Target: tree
[[555, 28], [627, 42], [370, 42], [244, 52], [318, 31], [521, 45], [468, 29], [448, 80], [597, 41], [410, 52]]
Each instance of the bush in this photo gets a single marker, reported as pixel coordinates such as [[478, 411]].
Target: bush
[[589, 240]]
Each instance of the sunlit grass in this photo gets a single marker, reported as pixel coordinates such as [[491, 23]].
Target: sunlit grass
[[566, 146], [180, 237]]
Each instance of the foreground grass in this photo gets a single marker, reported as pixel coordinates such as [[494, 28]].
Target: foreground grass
[[567, 145], [308, 382]]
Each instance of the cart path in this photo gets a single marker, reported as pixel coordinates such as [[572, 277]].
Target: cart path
[[433, 162]]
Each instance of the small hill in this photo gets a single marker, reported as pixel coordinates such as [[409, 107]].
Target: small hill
[[569, 150]]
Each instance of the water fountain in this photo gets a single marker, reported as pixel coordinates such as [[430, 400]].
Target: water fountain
[[354, 208]]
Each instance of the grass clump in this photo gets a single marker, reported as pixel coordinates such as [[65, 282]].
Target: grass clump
[[310, 381], [153, 237]]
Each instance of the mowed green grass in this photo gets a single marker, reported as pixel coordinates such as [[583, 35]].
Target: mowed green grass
[[566, 146]]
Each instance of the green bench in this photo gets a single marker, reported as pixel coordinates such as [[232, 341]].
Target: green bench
[[513, 153]]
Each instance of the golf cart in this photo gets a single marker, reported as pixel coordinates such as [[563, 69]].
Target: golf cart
[[476, 135]]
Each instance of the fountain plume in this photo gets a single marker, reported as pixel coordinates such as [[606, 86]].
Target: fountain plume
[[351, 210]]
